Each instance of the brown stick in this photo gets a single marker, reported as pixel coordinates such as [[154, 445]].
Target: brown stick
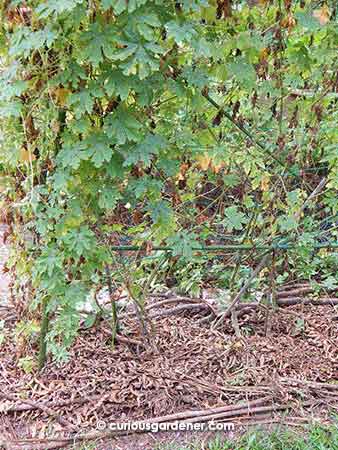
[[245, 308], [264, 419], [307, 301], [289, 302], [169, 301], [234, 412], [173, 300], [294, 292], [245, 412], [42, 407], [60, 404], [178, 309], [314, 384]]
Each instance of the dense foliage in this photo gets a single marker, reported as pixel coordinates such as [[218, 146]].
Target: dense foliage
[[153, 122]]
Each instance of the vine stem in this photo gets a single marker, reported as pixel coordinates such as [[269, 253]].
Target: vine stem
[[114, 324], [242, 291], [43, 334], [313, 194], [141, 315], [242, 128]]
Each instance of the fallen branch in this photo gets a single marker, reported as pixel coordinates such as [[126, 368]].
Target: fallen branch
[[186, 416], [246, 308], [307, 301], [294, 292], [293, 285], [173, 300], [234, 413], [242, 308], [31, 406], [242, 412], [178, 309], [313, 384], [42, 407]]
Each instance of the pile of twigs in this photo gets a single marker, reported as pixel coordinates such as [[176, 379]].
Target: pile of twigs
[[259, 411]]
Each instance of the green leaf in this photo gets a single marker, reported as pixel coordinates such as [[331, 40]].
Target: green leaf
[[288, 223], [80, 242], [231, 180], [118, 84], [196, 77], [183, 244], [330, 282], [123, 54], [114, 168], [122, 126], [138, 59], [11, 109], [307, 20], [98, 42], [99, 150], [143, 152], [49, 262], [72, 154], [10, 90], [120, 6], [60, 180], [243, 72], [161, 213], [108, 198], [234, 219], [82, 102], [145, 23], [141, 187], [90, 320], [180, 32], [56, 7], [24, 41], [134, 4]]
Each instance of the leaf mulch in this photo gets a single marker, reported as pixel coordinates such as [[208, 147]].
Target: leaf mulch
[[191, 367]]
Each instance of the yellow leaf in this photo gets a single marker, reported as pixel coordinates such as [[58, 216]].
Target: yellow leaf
[[265, 183], [322, 14], [263, 54], [217, 167], [61, 95], [204, 161], [26, 155]]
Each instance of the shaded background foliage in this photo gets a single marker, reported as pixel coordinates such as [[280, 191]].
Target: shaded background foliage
[[164, 123]]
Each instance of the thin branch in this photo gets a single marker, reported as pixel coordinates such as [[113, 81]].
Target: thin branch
[[243, 290], [36, 405], [242, 129], [313, 194]]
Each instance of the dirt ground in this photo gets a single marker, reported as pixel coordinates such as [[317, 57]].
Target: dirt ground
[[189, 366], [192, 367]]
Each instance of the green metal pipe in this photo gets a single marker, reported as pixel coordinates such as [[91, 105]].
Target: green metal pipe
[[216, 248]]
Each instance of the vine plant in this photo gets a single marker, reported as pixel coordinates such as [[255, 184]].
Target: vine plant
[[156, 122]]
